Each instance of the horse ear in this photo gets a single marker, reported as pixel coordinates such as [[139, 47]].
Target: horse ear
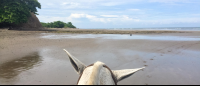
[[122, 74], [78, 65]]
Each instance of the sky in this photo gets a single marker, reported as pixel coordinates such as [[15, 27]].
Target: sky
[[122, 13]]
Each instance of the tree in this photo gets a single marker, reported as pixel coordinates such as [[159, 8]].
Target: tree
[[58, 24], [69, 24], [44, 24], [17, 11]]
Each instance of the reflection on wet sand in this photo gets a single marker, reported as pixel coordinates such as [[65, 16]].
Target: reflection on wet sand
[[174, 60], [13, 68], [117, 36]]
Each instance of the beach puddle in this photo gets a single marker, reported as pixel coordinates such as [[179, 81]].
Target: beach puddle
[[124, 36], [46, 66], [13, 68]]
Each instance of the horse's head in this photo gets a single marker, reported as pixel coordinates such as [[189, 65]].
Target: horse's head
[[98, 73]]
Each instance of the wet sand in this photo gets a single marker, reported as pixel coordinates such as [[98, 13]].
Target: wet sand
[[33, 58]]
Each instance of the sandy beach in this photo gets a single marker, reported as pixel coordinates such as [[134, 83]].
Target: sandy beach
[[37, 57]]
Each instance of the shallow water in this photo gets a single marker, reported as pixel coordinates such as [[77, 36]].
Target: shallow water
[[125, 36], [151, 28], [50, 67], [168, 63], [13, 68], [42, 67]]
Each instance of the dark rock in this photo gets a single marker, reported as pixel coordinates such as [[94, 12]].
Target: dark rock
[[33, 23]]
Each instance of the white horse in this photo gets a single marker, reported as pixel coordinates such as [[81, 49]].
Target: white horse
[[98, 73]]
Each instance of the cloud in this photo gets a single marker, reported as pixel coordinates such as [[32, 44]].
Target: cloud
[[90, 17], [173, 2], [171, 21], [109, 15], [111, 3], [68, 5], [103, 18], [63, 4], [134, 9], [52, 19], [167, 1], [75, 17]]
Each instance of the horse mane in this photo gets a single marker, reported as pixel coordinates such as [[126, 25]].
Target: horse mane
[[94, 78]]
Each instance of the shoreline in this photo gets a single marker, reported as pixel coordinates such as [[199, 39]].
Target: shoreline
[[98, 31], [107, 31]]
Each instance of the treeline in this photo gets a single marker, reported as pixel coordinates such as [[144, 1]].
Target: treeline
[[17, 11], [58, 24]]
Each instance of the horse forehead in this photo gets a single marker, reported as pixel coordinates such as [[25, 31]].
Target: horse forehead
[[104, 76], [88, 71]]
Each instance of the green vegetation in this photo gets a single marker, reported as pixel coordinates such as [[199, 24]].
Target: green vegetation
[[58, 24], [17, 11]]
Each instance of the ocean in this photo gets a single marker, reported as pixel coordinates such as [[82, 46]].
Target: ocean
[[153, 28]]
